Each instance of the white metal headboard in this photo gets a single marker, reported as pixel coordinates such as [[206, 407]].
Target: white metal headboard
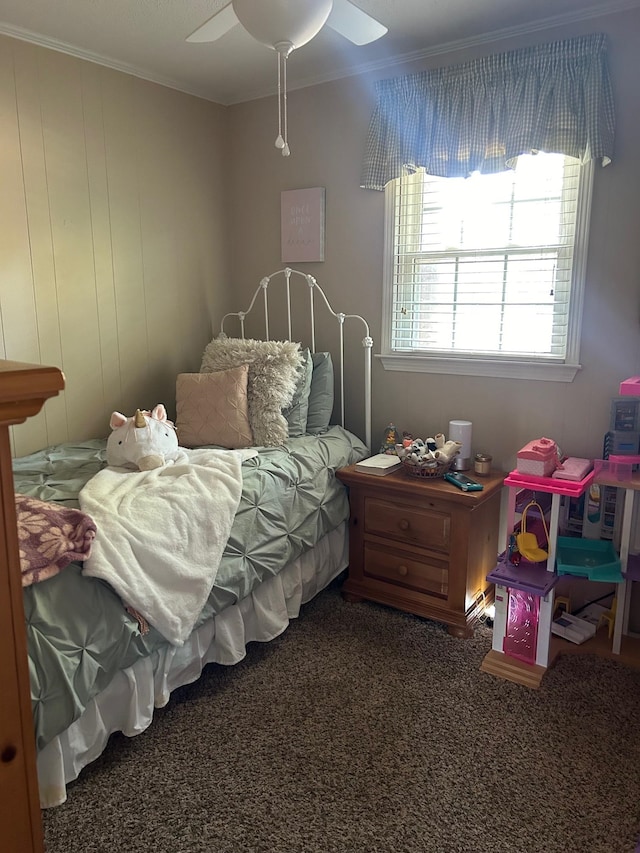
[[367, 341]]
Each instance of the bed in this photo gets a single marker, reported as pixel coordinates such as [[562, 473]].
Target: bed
[[96, 667]]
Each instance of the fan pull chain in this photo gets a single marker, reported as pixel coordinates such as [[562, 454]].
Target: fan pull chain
[[279, 139], [286, 151], [283, 49]]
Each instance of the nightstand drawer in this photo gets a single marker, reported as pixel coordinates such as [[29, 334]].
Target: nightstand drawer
[[429, 576], [422, 527]]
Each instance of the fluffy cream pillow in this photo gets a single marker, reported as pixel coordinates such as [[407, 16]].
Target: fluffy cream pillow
[[273, 373], [212, 408]]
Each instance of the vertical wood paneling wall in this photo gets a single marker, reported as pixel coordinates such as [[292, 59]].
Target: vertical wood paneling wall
[[113, 259]]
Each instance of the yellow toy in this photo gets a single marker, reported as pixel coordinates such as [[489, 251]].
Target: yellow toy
[[527, 542], [609, 616], [391, 438]]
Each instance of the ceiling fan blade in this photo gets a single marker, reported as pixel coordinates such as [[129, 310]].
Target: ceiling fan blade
[[354, 24], [215, 27]]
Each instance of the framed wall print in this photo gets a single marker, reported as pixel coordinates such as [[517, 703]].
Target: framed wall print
[[302, 225]]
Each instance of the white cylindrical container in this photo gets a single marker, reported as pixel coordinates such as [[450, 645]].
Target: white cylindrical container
[[461, 431]]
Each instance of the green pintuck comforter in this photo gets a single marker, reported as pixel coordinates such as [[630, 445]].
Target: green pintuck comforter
[[79, 634]]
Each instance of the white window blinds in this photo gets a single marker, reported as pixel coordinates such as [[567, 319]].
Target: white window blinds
[[483, 266]]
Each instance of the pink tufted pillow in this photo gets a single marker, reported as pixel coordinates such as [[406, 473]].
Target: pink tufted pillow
[[212, 408]]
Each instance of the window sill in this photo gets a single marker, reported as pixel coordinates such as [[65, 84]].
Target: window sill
[[546, 372]]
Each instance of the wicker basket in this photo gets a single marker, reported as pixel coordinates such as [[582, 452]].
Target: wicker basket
[[426, 471]]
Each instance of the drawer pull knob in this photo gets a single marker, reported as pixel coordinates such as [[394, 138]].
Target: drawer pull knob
[[8, 754], [403, 570], [403, 524]]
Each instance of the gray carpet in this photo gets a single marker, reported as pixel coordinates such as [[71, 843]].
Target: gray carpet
[[367, 730]]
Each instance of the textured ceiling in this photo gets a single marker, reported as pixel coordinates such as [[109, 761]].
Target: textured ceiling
[[147, 38]]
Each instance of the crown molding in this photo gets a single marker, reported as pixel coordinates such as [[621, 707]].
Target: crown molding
[[114, 64]]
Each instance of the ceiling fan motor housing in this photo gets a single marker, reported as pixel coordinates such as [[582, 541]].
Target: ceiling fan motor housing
[[273, 22]]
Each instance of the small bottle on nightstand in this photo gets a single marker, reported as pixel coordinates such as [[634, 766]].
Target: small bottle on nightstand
[[482, 463]]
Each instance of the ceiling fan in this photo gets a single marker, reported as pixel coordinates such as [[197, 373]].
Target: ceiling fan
[[295, 21], [284, 25]]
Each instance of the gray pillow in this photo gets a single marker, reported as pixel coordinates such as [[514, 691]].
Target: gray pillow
[[320, 394], [297, 412]]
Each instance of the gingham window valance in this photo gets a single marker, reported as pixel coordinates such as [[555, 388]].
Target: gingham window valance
[[481, 115]]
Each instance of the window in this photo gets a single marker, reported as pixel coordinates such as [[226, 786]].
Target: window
[[484, 275]]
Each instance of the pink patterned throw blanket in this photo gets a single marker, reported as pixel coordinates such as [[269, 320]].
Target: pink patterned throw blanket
[[50, 536]]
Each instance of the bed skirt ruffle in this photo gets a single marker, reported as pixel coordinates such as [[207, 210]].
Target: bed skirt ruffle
[[127, 703]]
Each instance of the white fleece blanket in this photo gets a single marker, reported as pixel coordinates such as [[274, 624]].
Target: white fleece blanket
[[161, 533]]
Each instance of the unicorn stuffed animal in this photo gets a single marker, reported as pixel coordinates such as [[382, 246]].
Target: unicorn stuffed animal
[[142, 442]]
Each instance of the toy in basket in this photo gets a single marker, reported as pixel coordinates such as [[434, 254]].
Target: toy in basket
[[430, 458]]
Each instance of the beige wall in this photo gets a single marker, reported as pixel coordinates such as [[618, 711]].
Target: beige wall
[[112, 235], [327, 131]]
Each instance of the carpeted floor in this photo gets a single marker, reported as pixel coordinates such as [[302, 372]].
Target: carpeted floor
[[366, 730]]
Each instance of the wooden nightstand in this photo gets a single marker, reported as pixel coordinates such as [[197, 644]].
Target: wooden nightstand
[[422, 545]]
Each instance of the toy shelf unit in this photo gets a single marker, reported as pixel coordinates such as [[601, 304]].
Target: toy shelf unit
[[621, 473], [600, 551], [621, 442], [524, 594], [619, 479]]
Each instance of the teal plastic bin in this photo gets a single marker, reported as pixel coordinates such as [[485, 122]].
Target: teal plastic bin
[[595, 559]]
